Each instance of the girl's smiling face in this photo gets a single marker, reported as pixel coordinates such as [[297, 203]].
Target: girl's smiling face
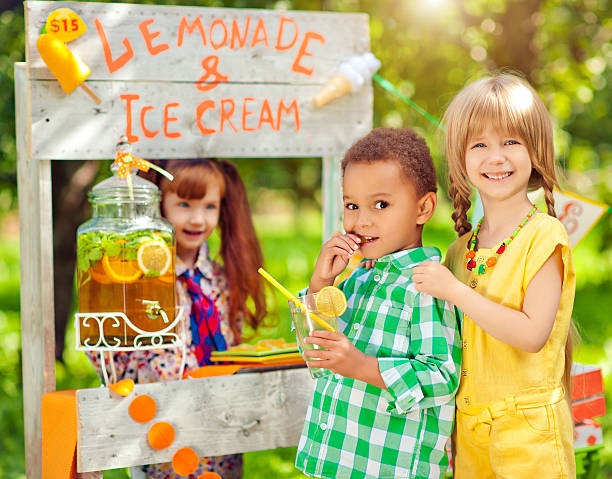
[[382, 207], [194, 220], [498, 164]]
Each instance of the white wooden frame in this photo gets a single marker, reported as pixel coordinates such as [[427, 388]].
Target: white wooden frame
[[277, 400], [36, 262]]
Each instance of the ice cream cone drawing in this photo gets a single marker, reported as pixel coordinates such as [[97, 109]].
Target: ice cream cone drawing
[[351, 76], [339, 85]]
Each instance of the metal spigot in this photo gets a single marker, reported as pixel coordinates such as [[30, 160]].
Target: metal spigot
[[153, 310]]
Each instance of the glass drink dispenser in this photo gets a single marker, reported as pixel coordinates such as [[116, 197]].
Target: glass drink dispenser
[[125, 268]]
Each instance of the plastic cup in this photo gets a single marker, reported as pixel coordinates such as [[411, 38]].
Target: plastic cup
[[304, 314]]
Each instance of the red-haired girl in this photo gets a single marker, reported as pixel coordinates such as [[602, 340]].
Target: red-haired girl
[[205, 193]]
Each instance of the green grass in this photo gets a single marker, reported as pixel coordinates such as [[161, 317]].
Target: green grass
[[290, 248], [11, 398]]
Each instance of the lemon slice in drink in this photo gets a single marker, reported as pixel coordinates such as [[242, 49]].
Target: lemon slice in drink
[[121, 270], [330, 302], [99, 274], [154, 255]]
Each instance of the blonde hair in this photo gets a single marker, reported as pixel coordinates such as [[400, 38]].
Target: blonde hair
[[508, 103]]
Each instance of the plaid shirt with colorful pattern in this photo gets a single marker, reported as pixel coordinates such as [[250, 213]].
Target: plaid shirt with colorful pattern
[[356, 430]]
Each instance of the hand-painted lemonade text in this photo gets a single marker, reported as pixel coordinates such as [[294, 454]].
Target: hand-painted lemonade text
[[214, 113]]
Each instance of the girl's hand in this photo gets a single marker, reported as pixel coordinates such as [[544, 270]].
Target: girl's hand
[[436, 280], [333, 259], [369, 264], [341, 356]]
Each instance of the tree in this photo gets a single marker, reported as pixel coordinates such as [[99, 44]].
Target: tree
[[429, 50]]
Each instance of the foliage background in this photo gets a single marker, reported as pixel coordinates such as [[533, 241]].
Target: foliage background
[[429, 49]]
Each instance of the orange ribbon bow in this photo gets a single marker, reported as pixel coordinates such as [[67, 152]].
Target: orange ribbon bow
[[126, 162]]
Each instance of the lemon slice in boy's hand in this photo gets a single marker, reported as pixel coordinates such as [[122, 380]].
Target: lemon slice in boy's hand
[[155, 256], [330, 302]]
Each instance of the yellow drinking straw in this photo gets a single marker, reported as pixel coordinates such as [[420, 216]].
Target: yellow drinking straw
[[290, 297]]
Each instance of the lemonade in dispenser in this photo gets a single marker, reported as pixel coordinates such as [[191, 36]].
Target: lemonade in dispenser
[[125, 265]]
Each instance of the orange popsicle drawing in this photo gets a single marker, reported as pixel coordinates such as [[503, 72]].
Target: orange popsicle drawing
[[69, 70]]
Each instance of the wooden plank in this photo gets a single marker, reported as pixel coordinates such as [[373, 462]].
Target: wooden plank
[[318, 42], [587, 381], [589, 408], [90, 475], [36, 283], [218, 415], [267, 121]]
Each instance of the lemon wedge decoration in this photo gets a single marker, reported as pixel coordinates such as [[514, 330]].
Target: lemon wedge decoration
[[331, 302], [123, 387], [154, 256]]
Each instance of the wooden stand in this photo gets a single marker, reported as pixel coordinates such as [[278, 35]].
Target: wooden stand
[[269, 91]]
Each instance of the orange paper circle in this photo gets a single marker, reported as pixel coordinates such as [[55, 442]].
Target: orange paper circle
[[161, 435], [210, 475], [185, 461], [123, 387], [143, 408]]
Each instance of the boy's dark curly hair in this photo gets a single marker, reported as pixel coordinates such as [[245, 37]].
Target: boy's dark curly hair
[[399, 144]]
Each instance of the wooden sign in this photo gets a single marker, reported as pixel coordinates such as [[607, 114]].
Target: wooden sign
[[184, 82]]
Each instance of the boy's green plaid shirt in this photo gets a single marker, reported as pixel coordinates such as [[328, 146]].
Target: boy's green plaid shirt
[[356, 430]]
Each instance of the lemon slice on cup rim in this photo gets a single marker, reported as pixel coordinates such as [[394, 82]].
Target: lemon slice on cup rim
[[330, 302], [154, 255]]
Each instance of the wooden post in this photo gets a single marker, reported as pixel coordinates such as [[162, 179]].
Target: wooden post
[[36, 244], [331, 186]]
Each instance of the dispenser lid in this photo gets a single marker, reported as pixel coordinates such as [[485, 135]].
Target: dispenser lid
[[119, 189]]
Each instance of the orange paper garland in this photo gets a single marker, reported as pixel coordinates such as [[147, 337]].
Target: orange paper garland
[[210, 475], [143, 408], [185, 461], [161, 435]]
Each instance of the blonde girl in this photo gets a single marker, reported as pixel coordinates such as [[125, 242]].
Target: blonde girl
[[514, 279]]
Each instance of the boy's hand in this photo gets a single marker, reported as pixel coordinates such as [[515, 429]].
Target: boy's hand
[[333, 259], [436, 280], [341, 356]]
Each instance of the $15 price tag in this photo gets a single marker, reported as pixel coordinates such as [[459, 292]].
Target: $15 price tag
[[65, 25]]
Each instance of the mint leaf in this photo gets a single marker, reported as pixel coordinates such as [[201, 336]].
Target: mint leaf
[[111, 248], [83, 263]]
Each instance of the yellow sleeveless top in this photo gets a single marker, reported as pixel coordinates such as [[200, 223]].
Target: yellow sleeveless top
[[492, 370]]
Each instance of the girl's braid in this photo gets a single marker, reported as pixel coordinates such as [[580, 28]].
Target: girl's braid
[[461, 204], [548, 186]]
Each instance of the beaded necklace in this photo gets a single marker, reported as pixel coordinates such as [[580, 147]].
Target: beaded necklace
[[492, 260]]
